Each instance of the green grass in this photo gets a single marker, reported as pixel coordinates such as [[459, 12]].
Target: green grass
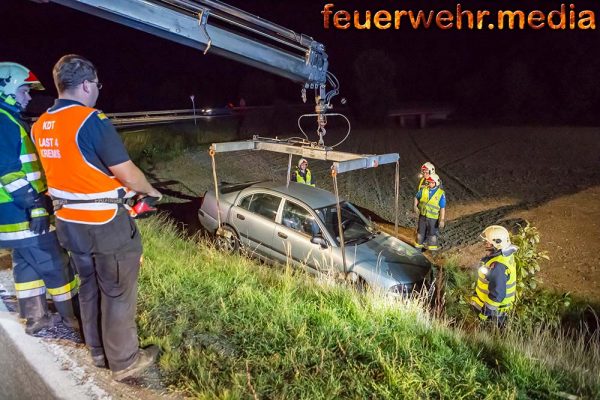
[[231, 328], [165, 142]]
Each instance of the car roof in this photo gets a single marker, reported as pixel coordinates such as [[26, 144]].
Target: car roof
[[312, 196]]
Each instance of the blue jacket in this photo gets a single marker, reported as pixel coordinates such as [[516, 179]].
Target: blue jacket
[[10, 151]]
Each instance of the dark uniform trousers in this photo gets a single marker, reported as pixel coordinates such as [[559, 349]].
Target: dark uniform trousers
[[107, 258], [427, 231]]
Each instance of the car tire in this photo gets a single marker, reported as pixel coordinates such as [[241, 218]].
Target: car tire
[[227, 241], [357, 282]]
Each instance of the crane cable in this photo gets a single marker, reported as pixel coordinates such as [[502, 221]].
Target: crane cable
[[339, 218], [330, 115], [211, 152], [397, 193]]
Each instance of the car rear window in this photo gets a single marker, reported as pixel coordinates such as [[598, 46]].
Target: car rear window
[[262, 204]]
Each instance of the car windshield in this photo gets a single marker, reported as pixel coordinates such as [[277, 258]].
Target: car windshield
[[355, 226]]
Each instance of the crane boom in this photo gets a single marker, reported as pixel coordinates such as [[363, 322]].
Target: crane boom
[[212, 26]]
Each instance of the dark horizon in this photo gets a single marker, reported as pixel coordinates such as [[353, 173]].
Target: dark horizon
[[540, 75]]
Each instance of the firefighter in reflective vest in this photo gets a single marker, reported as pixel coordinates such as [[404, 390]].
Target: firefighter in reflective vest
[[303, 174], [89, 176], [497, 276], [426, 170], [430, 206], [40, 265]]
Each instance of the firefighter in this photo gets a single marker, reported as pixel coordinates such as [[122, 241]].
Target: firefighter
[[430, 206], [303, 174], [91, 179], [426, 170], [40, 265], [496, 277]]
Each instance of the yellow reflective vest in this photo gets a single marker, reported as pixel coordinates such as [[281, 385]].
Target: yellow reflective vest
[[481, 297], [308, 180], [430, 207]]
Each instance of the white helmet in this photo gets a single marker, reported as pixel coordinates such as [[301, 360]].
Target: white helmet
[[435, 178], [301, 161], [497, 236], [428, 167], [13, 76]]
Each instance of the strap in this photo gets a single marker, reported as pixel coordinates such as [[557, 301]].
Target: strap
[[59, 203]]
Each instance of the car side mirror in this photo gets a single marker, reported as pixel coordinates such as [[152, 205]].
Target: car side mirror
[[320, 241]]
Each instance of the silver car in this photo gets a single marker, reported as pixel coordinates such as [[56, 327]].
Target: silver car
[[298, 224]]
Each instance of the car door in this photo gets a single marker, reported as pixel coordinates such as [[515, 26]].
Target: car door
[[253, 217], [292, 240]]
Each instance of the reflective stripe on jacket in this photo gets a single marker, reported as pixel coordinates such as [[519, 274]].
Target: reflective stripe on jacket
[[30, 172], [69, 174], [430, 207], [14, 222], [481, 297], [300, 178]]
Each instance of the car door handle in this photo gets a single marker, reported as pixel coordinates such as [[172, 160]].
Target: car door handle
[[240, 216], [282, 235]]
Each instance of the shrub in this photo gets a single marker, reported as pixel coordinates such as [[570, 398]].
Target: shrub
[[528, 257]]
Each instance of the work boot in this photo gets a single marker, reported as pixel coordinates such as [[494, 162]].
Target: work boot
[[69, 311], [33, 326], [35, 311], [144, 359], [98, 358]]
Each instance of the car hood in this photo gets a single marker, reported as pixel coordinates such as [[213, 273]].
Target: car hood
[[389, 257]]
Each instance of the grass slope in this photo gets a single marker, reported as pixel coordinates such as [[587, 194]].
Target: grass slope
[[230, 329]]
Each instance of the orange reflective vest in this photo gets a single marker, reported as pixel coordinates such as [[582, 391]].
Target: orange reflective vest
[[69, 175]]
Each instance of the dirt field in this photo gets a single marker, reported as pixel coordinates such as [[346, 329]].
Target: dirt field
[[492, 175]]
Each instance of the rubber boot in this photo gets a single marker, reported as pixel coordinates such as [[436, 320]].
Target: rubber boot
[[35, 311], [69, 311]]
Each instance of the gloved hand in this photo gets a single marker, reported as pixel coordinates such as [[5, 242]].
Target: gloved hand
[[416, 210], [442, 223], [145, 207], [24, 197], [40, 219]]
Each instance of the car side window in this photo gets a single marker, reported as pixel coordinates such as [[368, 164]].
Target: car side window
[[245, 203], [299, 219], [263, 204]]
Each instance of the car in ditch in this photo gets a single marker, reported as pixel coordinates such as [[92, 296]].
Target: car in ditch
[[298, 224]]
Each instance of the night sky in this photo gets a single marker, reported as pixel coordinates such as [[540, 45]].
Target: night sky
[[549, 76]]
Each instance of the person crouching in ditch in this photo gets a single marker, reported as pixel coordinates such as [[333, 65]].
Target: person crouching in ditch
[[497, 277], [430, 206]]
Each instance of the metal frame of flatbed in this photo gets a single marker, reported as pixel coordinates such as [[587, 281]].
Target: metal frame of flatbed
[[342, 162]]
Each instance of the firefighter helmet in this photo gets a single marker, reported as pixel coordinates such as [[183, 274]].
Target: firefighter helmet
[[434, 178], [13, 75], [428, 167], [497, 236]]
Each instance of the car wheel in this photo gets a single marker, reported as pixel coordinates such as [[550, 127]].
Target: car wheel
[[227, 240], [357, 282]]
